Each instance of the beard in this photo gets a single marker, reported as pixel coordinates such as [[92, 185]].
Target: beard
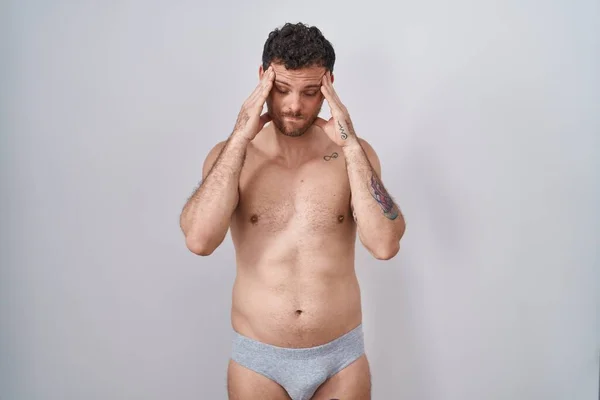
[[293, 128]]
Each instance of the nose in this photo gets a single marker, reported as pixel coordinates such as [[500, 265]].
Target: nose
[[294, 103]]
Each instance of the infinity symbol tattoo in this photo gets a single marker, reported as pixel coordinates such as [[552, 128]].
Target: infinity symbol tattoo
[[334, 155]]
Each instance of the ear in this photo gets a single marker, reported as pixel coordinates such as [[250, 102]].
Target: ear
[[261, 72], [332, 77]]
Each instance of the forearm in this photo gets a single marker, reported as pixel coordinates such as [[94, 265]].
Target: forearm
[[380, 222], [207, 214]]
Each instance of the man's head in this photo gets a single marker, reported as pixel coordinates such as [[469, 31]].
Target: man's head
[[300, 56]]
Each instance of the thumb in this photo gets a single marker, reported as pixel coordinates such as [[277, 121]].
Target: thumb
[[266, 117], [320, 122]]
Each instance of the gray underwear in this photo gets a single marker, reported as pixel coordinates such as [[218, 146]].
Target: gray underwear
[[300, 371]]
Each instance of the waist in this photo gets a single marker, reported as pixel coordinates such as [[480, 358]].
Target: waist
[[295, 308]]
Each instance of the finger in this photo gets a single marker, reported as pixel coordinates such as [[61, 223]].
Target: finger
[[264, 80], [266, 117], [325, 87], [259, 96], [332, 89], [327, 91], [268, 76], [327, 96], [320, 122], [336, 106], [267, 85], [332, 93], [260, 99]]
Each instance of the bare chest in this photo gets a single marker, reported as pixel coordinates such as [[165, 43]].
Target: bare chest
[[313, 198]]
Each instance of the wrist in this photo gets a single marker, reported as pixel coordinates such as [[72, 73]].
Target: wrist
[[351, 143], [239, 137]]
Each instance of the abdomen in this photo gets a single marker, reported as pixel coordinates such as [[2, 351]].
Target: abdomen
[[295, 304]]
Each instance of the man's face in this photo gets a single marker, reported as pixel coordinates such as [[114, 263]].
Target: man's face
[[296, 99]]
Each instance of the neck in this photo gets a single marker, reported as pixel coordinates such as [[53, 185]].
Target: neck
[[294, 149]]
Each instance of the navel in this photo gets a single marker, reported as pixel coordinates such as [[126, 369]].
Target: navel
[[254, 218], [340, 218], [298, 312]]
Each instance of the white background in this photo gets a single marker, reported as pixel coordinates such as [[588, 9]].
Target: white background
[[486, 118]]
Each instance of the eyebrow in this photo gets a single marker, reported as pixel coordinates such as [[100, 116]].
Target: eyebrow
[[311, 86]]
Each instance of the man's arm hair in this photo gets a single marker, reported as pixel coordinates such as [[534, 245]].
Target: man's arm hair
[[206, 215], [380, 222]]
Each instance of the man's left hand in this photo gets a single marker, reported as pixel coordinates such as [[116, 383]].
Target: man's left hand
[[339, 127]]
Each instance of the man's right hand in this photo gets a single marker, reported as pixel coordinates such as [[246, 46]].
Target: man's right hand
[[249, 121]]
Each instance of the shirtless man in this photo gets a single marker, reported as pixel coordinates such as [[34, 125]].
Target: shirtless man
[[295, 193]]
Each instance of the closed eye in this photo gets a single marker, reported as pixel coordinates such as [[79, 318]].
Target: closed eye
[[310, 93]]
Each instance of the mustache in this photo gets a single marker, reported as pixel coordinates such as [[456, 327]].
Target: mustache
[[291, 115]]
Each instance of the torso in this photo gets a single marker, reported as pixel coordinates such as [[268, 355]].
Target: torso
[[294, 237]]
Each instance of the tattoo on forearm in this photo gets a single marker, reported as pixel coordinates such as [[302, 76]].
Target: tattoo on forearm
[[342, 131], [327, 158], [383, 198]]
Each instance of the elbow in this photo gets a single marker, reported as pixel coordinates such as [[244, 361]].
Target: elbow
[[198, 246], [386, 251], [202, 240], [198, 243], [383, 247]]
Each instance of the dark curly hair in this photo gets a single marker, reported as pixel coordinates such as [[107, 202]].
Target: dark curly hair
[[297, 46]]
